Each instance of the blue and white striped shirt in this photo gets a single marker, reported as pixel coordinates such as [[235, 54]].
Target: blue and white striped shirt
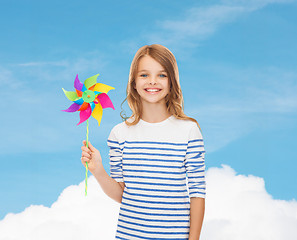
[[162, 166]]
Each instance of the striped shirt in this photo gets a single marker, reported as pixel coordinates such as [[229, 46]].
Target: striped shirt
[[162, 166]]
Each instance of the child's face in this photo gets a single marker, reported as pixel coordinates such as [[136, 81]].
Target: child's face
[[151, 75]]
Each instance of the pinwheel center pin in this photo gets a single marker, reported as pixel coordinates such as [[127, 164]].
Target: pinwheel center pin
[[88, 96]]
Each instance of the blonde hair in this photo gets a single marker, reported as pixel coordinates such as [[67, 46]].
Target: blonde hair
[[174, 99]]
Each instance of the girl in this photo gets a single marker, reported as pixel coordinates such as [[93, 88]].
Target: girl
[[157, 169]]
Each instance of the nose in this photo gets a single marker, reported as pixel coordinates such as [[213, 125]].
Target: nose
[[153, 80]]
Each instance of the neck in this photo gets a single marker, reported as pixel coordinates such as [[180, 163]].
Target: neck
[[154, 112]]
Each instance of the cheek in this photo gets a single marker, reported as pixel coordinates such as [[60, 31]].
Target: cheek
[[139, 83], [167, 85]]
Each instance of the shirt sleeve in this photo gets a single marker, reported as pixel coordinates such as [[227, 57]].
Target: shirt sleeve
[[115, 157], [194, 164]]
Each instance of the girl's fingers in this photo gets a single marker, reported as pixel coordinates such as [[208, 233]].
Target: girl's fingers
[[91, 146], [86, 154], [85, 149], [84, 159]]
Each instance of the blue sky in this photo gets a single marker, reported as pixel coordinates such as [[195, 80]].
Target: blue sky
[[237, 64]]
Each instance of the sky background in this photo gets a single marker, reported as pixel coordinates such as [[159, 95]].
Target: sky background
[[237, 65]]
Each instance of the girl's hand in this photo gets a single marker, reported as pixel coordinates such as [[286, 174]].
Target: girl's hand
[[92, 156]]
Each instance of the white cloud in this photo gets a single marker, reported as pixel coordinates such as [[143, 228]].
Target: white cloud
[[62, 70], [200, 22], [254, 4], [73, 216], [237, 207], [62, 63], [196, 24], [8, 81]]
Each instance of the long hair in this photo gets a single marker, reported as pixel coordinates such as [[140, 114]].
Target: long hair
[[174, 99]]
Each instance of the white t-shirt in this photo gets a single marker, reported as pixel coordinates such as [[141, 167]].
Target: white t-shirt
[[162, 165]]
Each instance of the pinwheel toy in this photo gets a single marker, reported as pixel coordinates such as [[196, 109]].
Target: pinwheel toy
[[89, 99]]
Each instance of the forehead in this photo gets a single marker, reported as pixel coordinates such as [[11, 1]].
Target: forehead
[[147, 63]]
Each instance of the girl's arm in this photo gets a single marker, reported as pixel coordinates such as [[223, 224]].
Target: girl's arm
[[197, 207], [195, 168], [111, 187]]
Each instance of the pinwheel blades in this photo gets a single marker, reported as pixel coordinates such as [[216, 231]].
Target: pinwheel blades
[[85, 114], [97, 113], [89, 98], [77, 84], [73, 108], [105, 101]]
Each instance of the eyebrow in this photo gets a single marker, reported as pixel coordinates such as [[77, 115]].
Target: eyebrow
[[144, 70]]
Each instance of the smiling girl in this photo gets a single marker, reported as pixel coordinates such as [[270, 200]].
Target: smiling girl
[[157, 167]]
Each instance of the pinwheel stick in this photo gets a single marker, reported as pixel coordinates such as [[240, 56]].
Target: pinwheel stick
[[86, 181]]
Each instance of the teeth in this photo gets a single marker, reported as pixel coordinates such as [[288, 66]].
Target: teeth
[[152, 90]]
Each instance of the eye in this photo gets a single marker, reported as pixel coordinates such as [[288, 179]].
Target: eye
[[143, 75], [163, 75]]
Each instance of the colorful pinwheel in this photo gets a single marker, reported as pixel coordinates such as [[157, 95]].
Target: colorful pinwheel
[[89, 99]]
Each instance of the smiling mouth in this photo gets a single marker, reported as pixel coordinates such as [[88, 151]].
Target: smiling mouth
[[152, 91]]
